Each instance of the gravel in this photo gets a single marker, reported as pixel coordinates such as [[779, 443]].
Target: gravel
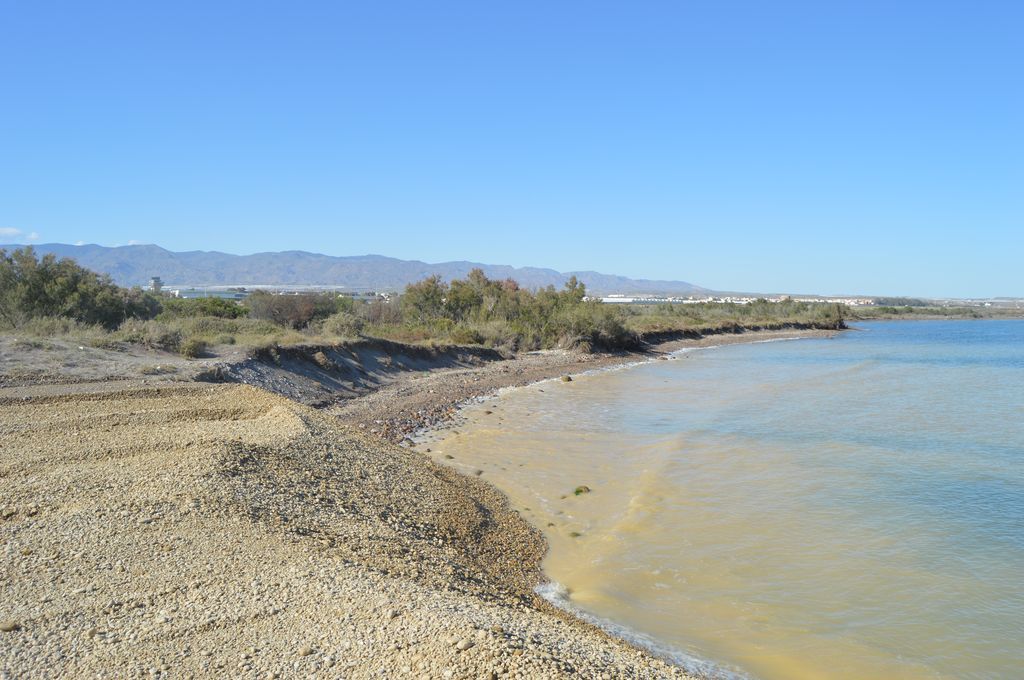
[[210, 530], [153, 528]]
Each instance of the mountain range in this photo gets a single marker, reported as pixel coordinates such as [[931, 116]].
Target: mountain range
[[133, 265]]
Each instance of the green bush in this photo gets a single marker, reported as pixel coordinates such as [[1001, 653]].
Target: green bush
[[33, 288], [479, 310], [343, 325], [464, 335], [174, 308]]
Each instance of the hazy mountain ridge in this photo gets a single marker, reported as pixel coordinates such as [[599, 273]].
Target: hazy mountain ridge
[[134, 265]]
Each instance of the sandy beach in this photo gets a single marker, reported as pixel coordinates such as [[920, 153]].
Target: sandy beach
[[164, 527]]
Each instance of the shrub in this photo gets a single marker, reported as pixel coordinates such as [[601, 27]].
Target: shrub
[[154, 334], [193, 348], [58, 326], [344, 325], [293, 311], [48, 287], [174, 308], [463, 335]]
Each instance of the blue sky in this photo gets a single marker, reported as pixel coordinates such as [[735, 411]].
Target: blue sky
[[858, 147]]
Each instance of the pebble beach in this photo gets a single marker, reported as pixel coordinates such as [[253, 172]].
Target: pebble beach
[[181, 529]]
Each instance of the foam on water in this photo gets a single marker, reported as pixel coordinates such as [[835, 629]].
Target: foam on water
[[558, 595]]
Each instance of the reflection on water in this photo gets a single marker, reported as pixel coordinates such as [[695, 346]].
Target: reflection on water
[[843, 508]]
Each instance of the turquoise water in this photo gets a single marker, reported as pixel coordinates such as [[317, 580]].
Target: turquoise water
[[837, 508]]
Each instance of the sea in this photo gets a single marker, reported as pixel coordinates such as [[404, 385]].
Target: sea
[[846, 507]]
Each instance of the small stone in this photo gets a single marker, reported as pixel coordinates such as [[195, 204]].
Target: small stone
[[392, 614], [9, 626], [566, 378], [305, 650], [464, 644]]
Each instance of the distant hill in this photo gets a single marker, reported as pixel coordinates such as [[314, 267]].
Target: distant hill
[[134, 265]]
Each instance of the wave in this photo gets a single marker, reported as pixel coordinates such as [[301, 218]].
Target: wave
[[558, 595]]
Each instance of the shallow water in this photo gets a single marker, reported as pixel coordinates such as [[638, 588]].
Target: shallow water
[[821, 508]]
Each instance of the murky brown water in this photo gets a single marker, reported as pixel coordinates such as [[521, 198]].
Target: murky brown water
[[807, 509]]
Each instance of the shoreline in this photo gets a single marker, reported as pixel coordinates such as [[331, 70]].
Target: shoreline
[[424, 401], [551, 590], [195, 527]]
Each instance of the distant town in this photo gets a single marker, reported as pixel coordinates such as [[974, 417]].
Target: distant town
[[733, 299], [239, 293]]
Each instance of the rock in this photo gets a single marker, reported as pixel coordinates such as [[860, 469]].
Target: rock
[[566, 378], [391, 614], [305, 650], [9, 626], [464, 644], [581, 489]]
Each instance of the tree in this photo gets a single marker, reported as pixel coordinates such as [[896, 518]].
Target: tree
[[575, 290], [47, 287], [424, 301]]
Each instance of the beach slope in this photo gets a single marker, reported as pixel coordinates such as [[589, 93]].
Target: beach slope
[[198, 530]]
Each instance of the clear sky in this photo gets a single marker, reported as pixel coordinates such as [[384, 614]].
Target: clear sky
[[832, 147]]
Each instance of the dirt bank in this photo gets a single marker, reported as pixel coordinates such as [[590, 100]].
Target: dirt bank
[[318, 375], [432, 399]]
